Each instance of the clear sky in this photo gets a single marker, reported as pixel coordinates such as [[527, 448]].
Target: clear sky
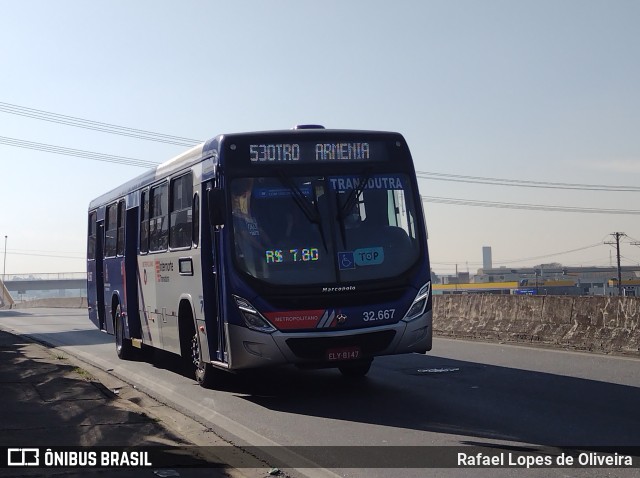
[[538, 90]]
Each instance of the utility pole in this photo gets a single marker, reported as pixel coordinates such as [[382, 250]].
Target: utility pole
[[618, 235], [635, 244]]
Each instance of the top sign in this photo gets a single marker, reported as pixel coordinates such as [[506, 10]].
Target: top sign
[[310, 152]]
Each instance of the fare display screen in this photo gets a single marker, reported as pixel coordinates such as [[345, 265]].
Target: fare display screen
[[278, 256], [318, 152]]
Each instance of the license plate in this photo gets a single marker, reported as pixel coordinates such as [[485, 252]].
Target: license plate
[[344, 353]]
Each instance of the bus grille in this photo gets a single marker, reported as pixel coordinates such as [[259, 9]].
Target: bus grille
[[315, 348]]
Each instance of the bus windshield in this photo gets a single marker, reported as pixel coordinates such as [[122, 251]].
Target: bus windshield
[[318, 230]]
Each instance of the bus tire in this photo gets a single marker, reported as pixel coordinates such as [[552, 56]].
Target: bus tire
[[190, 347], [203, 371], [356, 369], [124, 349]]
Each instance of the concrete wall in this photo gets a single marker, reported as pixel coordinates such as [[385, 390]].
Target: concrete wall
[[63, 302], [5, 297], [600, 324]]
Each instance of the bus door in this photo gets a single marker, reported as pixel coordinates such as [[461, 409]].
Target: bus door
[[99, 275], [113, 264], [221, 352], [92, 292], [212, 274], [130, 278]]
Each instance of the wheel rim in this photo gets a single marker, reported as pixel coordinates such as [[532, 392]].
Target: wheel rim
[[195, 357], [195, 351]]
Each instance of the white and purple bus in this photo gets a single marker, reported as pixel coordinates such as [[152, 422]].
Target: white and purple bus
[[304, 246]]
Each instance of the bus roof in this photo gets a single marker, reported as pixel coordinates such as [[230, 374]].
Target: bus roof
[[210, 148], [161, 170]]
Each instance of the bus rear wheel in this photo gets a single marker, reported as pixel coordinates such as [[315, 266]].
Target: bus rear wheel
[[203, 371], [356, 369], [124, 349]]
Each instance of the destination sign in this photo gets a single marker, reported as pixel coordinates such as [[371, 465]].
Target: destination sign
[[345, 183], [309, 152]]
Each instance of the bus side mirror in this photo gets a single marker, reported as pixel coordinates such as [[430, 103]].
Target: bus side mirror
[[216, 202]]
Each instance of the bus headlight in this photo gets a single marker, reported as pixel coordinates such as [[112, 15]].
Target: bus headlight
[[419, 303], [252, 318]]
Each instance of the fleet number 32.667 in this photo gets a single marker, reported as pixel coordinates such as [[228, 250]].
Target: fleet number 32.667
[[382, 314]]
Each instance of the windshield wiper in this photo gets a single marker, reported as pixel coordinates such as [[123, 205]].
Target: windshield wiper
[[351, 201], [308, 208]]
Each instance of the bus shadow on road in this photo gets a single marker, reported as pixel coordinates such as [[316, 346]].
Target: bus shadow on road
[[428, 393], [42, 321], [6, 313], [441, 395]]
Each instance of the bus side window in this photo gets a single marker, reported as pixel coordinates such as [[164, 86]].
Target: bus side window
[[158, 223], [91, 244], [144, 222], [111, 231], [181, 212], [120, 237]]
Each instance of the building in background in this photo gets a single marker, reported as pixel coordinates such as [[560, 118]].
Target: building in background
[[543, 279], [487, 262]]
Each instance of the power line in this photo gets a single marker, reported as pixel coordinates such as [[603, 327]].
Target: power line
[[523, 183], [183, 141], [49, 148], [525, 259], [555, 254], [96, 125], [152, 136], [45, 255], [634, 241], [629, 259], [109, 158], [530, 207]]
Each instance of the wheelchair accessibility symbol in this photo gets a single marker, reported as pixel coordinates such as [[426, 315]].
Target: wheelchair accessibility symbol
[[346, 260]]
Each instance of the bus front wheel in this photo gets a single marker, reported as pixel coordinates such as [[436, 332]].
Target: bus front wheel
[[203, 371]]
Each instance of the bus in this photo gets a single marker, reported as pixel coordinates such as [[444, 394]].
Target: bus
[[305, 246]]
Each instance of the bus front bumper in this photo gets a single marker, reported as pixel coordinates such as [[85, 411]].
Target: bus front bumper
[[252, 349]]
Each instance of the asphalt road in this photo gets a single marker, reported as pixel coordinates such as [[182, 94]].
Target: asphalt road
[[493, 396]]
